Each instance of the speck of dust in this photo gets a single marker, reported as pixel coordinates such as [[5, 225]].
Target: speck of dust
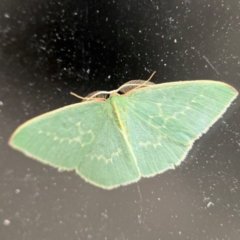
[[6, 222], [210, 204], [17, 191]]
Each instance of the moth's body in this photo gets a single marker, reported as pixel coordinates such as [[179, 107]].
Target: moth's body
[[135, 132], [117, 107]]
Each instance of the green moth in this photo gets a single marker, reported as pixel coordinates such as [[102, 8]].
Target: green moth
[[114, 138]]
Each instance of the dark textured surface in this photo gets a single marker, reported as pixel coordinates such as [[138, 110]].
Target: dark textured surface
[[49, 48]]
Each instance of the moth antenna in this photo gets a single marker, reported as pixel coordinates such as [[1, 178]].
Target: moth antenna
[[77, 96], [149, 79], [146, 81], [86, 98]]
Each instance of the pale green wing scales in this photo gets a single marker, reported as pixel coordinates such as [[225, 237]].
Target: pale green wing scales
[[80, 136], [110, 162], [164, 120], [114, 142]]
